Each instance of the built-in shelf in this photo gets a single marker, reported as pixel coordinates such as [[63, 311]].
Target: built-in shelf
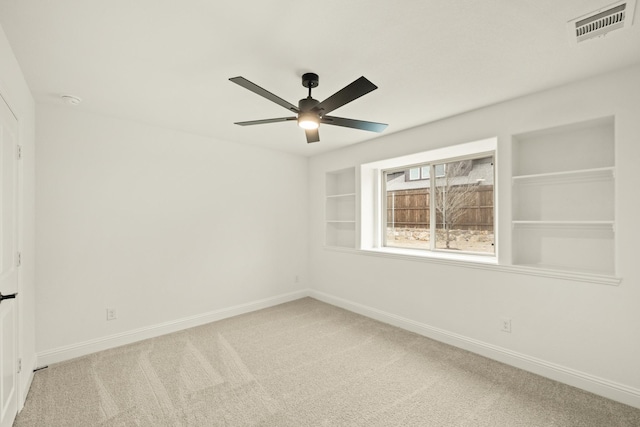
[[340, 208], [560, 272], [563, 223], [563, 214], [582, 174], [564, 269]]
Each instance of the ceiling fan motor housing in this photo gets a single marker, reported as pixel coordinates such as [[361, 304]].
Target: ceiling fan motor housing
[[307, 104]]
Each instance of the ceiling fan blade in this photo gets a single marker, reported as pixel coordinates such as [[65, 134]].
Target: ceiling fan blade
[[312, 135], [264, 93], [263, 121], [353, 91], [355, 124]]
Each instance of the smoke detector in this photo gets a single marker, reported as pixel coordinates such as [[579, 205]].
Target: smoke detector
[[71, 100], [601, 22]]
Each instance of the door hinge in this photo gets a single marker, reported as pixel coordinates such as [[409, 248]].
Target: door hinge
[[19, 365], [19, 259], [19, 152]]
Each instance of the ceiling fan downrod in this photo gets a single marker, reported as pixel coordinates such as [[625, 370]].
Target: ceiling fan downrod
[[310, 80]]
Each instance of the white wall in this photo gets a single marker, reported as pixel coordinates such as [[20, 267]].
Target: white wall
[[158, 224], [585, 334], [15, 91]]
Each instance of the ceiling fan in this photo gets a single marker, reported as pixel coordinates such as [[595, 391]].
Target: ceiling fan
[[310, 112]]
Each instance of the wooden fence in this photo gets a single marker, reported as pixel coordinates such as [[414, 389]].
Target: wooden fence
[[410, 209]]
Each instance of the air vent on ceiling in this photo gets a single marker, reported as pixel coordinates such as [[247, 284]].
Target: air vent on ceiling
[[602, 21]]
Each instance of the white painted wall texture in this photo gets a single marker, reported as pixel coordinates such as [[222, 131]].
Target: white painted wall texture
[[158, 224], [590, 330], [16, 93]]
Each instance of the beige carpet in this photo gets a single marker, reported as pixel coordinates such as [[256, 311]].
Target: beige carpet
[[304, 363]]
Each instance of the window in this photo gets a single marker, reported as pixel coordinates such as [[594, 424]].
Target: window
[[422, 172], [452, 212], [431, 217], [414, 174]]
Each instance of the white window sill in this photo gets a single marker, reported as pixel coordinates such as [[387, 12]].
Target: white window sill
[[484, 262], [434, 255]]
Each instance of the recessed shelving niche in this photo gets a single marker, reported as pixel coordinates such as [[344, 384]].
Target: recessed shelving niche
[[340, 208], [564, 198]]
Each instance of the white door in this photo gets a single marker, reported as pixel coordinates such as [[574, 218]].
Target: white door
[[8, 265]]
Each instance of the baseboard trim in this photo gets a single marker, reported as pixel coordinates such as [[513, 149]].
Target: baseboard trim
[[72, 351], [591, 383]]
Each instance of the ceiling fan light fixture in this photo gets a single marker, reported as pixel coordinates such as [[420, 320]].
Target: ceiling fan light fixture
[[308, 120]]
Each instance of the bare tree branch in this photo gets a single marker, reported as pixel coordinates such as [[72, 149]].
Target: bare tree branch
[[453, 193]]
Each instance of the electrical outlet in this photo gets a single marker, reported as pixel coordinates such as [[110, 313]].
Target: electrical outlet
[[296, 279], [112, 314], [505, 324]]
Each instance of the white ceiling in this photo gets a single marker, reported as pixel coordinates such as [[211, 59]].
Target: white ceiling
[[167, 63]]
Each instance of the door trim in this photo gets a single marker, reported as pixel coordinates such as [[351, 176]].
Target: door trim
[[21, 395]]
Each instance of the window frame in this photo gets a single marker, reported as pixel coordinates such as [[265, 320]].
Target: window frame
[[382, 221], [371, 199]]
